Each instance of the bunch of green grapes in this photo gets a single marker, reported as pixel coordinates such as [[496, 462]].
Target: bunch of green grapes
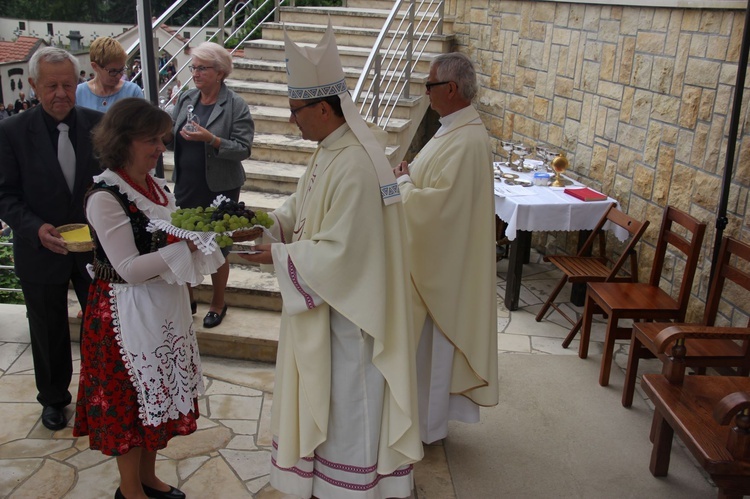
[[218, 220], [262, 218]]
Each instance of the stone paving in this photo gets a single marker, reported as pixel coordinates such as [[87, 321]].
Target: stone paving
[[229, 455]]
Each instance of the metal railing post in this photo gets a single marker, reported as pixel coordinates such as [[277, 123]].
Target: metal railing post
[[276, 13], [220, 23], [409, 47], [376, 88], [441, 16]]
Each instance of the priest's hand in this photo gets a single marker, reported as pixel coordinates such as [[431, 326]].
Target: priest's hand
[[401, 169], [263, 257]]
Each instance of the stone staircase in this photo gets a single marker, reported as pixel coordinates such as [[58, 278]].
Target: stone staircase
[[279, 154]]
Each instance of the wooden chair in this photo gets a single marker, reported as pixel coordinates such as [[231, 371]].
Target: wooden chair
[[721, 354], [644, 301], [585, 267], [699, 409]]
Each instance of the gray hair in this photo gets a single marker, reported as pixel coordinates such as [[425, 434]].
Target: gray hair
[[218, 55], [457, 67], [52, 55]]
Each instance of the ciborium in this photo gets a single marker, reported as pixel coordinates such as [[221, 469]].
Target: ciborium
[[559, 165]]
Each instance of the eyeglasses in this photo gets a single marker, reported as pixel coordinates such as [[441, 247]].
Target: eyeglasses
[[199, 69], [429, 85], [115, 72], [303, 106]]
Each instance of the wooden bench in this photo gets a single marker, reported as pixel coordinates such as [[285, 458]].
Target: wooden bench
[[710, 414]]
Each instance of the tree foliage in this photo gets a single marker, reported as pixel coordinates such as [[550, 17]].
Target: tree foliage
[[113, 11]]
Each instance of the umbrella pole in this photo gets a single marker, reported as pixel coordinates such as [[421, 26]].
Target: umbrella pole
[[721, 215]]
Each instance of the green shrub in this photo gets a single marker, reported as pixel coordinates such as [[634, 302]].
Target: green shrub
[[8, 277]]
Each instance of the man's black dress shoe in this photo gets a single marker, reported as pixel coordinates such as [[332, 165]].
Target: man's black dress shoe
[[53, 418], [193, 307], [212, 319], [172, 493]]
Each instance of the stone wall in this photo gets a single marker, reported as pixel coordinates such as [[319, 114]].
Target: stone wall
[[639, 98]]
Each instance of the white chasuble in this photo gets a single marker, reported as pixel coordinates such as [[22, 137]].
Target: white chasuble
[[345, 284], [449, 207]]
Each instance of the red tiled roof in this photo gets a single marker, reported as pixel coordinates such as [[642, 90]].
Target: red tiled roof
[[20, 50]]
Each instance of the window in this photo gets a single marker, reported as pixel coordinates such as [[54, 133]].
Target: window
[[50, 29], [186, 34], [22, 25]]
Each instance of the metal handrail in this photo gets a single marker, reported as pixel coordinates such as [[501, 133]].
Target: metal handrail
[[8, 267], [386, 78], [218, 15]]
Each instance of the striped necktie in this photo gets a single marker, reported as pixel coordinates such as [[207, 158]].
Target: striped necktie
[[66, 155]]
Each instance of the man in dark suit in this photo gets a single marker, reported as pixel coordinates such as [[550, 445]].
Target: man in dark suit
[[37, 194]]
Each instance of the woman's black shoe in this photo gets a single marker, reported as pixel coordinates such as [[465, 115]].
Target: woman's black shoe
[[118, 494], [212, 319], [172, 493]]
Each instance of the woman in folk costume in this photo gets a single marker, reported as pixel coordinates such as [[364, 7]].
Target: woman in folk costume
[[140, 369], [344, 412]]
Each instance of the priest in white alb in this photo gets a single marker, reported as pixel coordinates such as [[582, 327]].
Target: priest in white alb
[[448, 198], [344, 411]]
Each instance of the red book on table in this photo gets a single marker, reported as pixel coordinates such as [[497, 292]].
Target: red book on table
[[585, 194]]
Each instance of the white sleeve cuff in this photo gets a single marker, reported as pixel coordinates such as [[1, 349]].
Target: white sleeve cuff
[[186, 266], [403, 179]]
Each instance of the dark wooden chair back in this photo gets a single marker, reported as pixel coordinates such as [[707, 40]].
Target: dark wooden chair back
[[734, 266], [689, 245], [680, 235], [702, 345]]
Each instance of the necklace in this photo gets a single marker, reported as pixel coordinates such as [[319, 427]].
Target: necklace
[[154, 192]]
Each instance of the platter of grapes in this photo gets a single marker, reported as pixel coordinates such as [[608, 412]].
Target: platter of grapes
[[219, 225]]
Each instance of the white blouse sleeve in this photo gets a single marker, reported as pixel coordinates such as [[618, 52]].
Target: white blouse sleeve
[[175, 262]]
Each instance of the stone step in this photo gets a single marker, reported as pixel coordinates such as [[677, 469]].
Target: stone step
[[263, 176], [273, 50], [355, 37], [371, 4], [276, 95], [370, 17], [265, 71], [250, 330], [292, 149]]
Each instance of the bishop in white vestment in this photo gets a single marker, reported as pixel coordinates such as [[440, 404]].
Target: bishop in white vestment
[[344, 413]]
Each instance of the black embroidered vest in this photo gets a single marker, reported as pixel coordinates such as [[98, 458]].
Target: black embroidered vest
[[146, 242]]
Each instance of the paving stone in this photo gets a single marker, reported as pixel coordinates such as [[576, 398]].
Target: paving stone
[[200, 442], [234, 407], [15, 471], [186, 467], [212, 474], [30, 447], [52, 480], [248, 464]]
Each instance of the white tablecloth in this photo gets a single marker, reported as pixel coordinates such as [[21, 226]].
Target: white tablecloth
[[538, 208]]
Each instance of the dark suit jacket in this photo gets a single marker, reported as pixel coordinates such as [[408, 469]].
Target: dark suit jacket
[[33, 191]]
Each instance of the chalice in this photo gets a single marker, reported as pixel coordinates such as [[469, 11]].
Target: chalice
[[521, 151], [559, 165], [508, 146], [543, 154]]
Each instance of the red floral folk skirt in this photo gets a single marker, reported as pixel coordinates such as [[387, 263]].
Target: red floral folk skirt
[[107, 406]]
